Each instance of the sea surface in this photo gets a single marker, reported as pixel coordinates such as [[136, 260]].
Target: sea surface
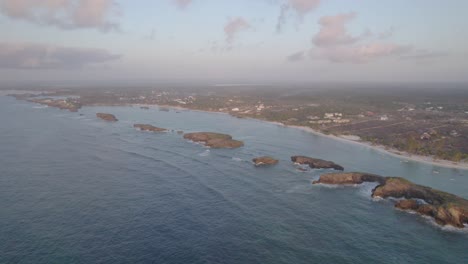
[[75, 189]]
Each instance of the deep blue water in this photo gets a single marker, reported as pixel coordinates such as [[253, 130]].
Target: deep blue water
[[75, 189]]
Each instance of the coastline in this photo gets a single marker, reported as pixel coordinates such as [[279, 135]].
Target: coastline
[[404, 156], [393, 152]]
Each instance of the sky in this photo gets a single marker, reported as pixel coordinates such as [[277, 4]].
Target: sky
[[261, 41]]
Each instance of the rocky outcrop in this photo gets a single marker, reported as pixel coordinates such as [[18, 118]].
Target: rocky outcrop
[[349, 178], [407, 204], [107, 117], [150, 128], [214, 140], [72, 105], [445, 208], [316, 163], [264, 161]]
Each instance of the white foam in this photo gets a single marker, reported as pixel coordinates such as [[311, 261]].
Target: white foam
[[447, 228], [204, 153], [236, 159]]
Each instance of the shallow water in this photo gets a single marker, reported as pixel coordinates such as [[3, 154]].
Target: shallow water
[[75, 189]]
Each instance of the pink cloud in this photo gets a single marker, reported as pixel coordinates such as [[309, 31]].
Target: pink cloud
[[334, 43], [65, 14], [182, 4], [333, 30], [234, 26], [303, 7]]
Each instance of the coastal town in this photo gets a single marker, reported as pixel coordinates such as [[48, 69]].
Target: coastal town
[[429, 125]]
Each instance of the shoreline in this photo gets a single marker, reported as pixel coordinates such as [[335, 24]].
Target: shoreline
[[404, 156], [392, 152]]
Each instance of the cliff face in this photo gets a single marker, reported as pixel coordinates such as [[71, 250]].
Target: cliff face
[[445, 208], [214, 140], [316, 163], [107, 117]]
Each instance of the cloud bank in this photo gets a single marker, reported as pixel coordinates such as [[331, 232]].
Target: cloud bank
[[64, 14], [40, 56]]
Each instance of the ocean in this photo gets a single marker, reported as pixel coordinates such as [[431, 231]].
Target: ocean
[[76, 189]]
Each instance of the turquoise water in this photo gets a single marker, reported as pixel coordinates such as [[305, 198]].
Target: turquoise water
[[75, 189]]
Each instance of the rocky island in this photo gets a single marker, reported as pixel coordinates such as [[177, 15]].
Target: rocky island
[[214, 140], [107, 117], [264, 161], [316, 163], [444, 208], [150, 128]]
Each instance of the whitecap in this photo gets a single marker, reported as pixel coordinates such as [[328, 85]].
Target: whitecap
[[204, 153], [236, 159]]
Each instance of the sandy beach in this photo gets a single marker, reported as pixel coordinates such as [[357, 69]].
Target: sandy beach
[[394, 152]]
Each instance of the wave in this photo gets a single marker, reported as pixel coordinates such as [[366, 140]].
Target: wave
[[204, 153], [237, 159]]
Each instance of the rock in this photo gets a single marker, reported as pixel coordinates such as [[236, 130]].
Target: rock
[[263, 161], [144, 107], [180, 132], [349, 178], [144, 127], [214, 140], [407, 205], [72, 105], [107, 117], [445, 208], [316, 163]]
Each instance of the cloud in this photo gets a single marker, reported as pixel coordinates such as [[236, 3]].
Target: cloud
[[333, 30], [334, 43], [297, 56], [363, 53], [233, 27], [64, 14], [299, 7], [303, 7], [40, 56], [182, 4]]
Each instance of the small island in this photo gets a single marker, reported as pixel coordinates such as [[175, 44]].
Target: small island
[[150, 128], [444, 208], [214, 140], [107, 117], [316, 163], [264, 161]]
